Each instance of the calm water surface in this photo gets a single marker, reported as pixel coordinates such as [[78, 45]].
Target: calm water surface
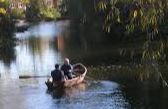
[[35, 54]]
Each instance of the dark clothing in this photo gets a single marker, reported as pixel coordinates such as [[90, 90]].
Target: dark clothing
[[57, 75], [66, 69]]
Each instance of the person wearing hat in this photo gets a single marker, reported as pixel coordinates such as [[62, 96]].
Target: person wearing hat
[[67, 68], [56, 74]]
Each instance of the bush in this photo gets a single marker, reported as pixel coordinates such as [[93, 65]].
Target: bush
[[2, 11], [49, 13], [39, 10], [17, 13]]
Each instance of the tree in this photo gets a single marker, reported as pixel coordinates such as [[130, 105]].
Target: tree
[[6, 23], [39, 9], [3, 7]]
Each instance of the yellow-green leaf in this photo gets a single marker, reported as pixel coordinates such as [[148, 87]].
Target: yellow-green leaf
[[2, 1], [2, 11], [135, 13]]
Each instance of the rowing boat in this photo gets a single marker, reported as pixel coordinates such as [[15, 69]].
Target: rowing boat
[[79, 72]]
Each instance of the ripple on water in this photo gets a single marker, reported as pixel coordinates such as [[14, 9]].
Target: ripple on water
[[100, 95], [32, 95]]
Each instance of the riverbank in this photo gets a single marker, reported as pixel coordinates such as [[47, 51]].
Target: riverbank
[[22, 25], [147, 75]]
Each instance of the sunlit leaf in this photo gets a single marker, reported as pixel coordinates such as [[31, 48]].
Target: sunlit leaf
[[2, 11], [135, 13], [2, 1], [118, 19]]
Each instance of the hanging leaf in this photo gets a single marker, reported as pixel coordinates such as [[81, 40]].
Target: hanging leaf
[[118, 19], [141, 13], [2, 1], [2, 11], [135, 13]]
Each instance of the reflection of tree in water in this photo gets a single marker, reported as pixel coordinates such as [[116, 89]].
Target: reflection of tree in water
[[7, 41], [145, 97], [35, 45], [38, 45], [7, 52]]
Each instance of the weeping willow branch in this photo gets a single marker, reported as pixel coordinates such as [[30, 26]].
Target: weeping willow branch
[[164, 82], [144, 15]]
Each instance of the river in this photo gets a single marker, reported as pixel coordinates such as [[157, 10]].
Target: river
[[36, 52]]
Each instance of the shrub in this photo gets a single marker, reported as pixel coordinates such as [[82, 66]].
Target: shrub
[[17, 13]]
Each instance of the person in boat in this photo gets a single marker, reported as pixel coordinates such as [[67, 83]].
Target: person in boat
[[67, 68], [56, 74]]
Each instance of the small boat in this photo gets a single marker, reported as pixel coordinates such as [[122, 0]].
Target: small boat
[[79, 72]]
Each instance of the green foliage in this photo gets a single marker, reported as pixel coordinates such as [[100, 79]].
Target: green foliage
[[144, 74], [4, 4], [6, 23], [132, 14], [6, 26], [144, 15], [26, 1], [17, 13], [82, 11], [2, 11], [39, 9], [49, 13], [33, 10], [153, 51]]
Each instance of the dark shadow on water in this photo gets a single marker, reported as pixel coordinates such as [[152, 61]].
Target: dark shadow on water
[[7, 41], [7, 55], [7, 51], [60, 93], [146, 98]]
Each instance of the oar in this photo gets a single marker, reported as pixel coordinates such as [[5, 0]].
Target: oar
[[27, 77]]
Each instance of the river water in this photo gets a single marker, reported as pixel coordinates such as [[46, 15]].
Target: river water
[[32, 94], [36, 52]]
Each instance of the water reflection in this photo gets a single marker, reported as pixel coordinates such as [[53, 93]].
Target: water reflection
[[37, 50], [146, 98], [37, 58], [7, 55]]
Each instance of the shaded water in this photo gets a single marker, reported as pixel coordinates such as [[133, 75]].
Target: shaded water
[[35, 54]]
